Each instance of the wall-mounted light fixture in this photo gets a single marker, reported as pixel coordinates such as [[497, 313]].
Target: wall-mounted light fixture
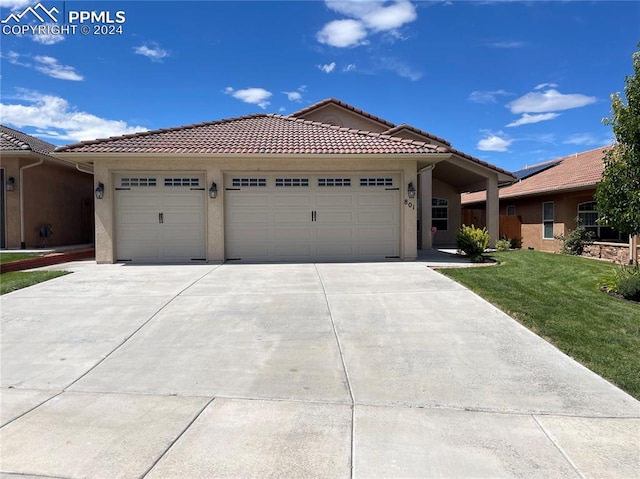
[[11, 183], [411, 191], [213, 191], [100, 191]]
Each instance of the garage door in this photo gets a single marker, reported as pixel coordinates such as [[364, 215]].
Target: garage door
[[160, 218], [312, 217]]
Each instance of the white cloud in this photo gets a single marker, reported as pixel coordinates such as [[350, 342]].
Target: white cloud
[[328, 68], [367, 16], [44, 64], [545, 85], [506, 44], [342, 33], [587, 139], [550, 100], [293, 96], [486, 96], [493, 142], [152, 51], [51, 67], [15, 4], [55, 118], [349, 67], [48, 39], [527, 119], [256, 96], [390, 17], [399, 68]]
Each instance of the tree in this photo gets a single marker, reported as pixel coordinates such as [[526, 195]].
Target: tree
[[618, 194]]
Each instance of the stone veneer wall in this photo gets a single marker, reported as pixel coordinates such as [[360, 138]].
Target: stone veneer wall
[[616, 252]]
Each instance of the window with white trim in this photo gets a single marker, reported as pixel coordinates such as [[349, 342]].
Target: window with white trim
[[182, 182], [376, 181], [440, 213], [547, 220], [292, 182], [249, 182], [334, 181], [129, 182]]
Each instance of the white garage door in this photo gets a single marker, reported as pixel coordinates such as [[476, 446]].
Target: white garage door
[[312, 217], [160, 218]]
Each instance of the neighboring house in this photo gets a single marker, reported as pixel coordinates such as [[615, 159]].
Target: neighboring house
[[44, 201], [327, 183], [547, 199]]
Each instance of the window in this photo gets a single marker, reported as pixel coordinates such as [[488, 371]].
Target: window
[[292, 181], [440, 214], [547, 220], [129, 182], [334, 181], [588, 215], [376, 181], [511, 210], [182, 182], [249, 182]]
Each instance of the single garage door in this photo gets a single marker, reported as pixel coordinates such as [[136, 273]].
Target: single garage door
[[160, 218], [333, 217]]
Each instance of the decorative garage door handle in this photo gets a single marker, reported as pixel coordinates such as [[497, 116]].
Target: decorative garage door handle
[[314, 216], [160, 218]]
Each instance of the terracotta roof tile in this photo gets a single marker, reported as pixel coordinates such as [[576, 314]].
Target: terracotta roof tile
[[581, 170], [404, 126], [255, 134], [14, 140]]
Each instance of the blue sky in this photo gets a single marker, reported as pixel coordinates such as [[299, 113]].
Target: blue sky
[[512, 83]]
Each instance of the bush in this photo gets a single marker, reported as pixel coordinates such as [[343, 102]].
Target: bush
[[473, 241], [629, 288], [516, 243], [503, 245], [576, 241], [625, 281]]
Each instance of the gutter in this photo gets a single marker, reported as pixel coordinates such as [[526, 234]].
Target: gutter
[[22, 242]]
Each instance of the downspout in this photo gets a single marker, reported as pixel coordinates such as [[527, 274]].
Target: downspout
[[22, 242]]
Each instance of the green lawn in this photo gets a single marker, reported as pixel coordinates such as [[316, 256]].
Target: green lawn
[[19, 279], [5, 257], [558, 298]]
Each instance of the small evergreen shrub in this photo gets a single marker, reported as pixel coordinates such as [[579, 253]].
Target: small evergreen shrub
[[576, 241], [473, 241], [629, 288], [516, 243], [503, 245]]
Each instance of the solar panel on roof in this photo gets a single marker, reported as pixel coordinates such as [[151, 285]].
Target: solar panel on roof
[[532, 170]]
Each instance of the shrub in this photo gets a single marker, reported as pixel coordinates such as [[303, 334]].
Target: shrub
[[576, 241], [473, 241], [624, 281], [516, 243], [629, 288], [503, 245]]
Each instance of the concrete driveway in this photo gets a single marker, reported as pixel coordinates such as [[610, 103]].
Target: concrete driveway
[[327, 370]]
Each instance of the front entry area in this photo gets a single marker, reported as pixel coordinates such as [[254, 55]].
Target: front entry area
[[312, 217], [160, 218]]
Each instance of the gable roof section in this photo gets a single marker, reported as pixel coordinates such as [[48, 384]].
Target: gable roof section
[[574, 172], [346, 106], [404, 126], [14, 140], [256, 134]]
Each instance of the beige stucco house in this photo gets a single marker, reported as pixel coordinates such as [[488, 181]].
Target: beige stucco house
[[327, 183], [44, 201]]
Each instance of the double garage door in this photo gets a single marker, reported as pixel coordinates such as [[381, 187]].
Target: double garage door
[[283, 217], [312, 217]]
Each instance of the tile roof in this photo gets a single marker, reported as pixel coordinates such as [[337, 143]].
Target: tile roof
[[346, 106], [580, 170], [404, 126], [14, 140], [256, 134]]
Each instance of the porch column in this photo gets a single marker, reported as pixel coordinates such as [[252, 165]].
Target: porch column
[[493, 210], [426, 193]]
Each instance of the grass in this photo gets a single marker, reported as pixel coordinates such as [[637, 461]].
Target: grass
[[8, 257], [19, 279], [558, 298]]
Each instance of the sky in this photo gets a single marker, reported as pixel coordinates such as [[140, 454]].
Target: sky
[[512, 83]]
